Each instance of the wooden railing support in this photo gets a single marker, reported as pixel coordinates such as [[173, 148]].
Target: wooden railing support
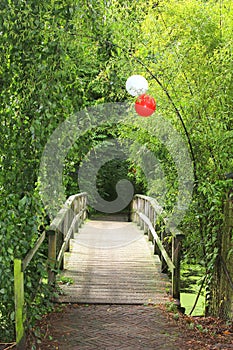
[[152, 218], [146, 210], [176, 254], [19, 304], [164, 266], [52, 254], [19, 269]]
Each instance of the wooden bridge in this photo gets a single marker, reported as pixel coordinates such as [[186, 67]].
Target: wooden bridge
[[107, 261], [110, 262], [114, 261]]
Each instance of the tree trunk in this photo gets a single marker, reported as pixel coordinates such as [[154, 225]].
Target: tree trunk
[[221, 304]]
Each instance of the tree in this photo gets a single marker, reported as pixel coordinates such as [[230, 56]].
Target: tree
[[41, 84], [190, 59], [59, 57]]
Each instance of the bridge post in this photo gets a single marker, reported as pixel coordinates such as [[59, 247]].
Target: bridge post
[[141, 210], [137, 211], [147, 213], [151, 218], [164, 267], [132, 210], [52, 255], [158, 229], [66, 224], [78, 209], [176, 254], [83, 207], [19, 304]]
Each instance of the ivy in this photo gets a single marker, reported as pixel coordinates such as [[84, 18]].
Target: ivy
[[59, 57]]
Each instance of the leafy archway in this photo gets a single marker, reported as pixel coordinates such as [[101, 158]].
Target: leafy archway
[[60, 57]]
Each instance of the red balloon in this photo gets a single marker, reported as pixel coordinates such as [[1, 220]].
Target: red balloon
[[145, 105]]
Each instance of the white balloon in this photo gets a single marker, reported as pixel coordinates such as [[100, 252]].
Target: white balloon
[[136, 85]]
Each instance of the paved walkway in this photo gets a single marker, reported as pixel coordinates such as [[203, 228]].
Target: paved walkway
[[114, 327]]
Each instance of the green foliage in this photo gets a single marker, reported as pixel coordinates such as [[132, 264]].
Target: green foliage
[[21, 220], [171, 307], [40, 86], [61, 56], [193, 63], [65, 280]]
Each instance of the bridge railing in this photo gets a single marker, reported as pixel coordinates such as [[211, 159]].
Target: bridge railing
[[20, 267], [167, 241], [62, 229]]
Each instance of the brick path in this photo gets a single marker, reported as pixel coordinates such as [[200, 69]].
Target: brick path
[[114, 327]]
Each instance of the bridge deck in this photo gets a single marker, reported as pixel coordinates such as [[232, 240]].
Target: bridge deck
[[112, 262]]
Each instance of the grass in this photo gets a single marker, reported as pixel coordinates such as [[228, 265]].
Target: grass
[[65, 280]]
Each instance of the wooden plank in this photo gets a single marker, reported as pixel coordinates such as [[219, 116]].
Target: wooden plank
[[52, 256], [19, 302], [33, 251], [122, 274]]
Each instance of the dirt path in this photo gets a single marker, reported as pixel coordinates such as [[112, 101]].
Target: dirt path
[[119, 327]]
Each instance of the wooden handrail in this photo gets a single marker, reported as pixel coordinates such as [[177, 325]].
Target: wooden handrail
[[152, 218], [162, 213], [62, 228], [33, 251], [67, 239], [58, 220], [159, 210], [169, 262]]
